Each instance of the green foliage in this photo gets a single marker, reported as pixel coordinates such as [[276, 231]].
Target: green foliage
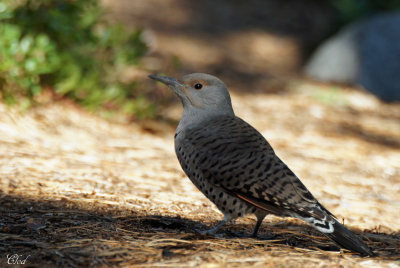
[[354, 9], [66, 46]]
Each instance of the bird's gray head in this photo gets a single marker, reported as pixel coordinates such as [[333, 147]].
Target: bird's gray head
[[203, 96]]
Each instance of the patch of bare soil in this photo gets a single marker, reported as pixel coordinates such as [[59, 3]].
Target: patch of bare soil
[[79, 191]]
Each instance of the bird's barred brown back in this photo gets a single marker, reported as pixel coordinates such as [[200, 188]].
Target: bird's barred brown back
[[228, 153]]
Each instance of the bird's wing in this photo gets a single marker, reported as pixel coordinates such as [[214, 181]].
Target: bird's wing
[[234, 156]]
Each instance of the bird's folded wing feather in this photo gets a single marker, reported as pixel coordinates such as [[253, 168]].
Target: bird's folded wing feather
[[234, 156]]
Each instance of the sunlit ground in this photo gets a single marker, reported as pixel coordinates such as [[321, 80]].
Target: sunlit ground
[[78, 190]]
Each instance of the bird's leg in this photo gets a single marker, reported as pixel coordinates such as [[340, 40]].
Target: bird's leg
[[260, 218], [215, 229]]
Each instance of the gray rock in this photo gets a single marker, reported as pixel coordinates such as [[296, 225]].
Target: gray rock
[[366, 53]]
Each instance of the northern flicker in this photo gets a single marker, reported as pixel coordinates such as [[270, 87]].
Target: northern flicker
[[234, 166]]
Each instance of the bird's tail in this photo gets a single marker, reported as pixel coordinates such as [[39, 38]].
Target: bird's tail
[[339, 234], [347, 239], [325, 222]]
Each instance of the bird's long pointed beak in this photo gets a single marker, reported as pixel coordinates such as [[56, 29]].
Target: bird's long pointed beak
[[174, 84], [169, 81]]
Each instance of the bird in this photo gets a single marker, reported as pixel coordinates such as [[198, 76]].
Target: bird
[[236, 168]]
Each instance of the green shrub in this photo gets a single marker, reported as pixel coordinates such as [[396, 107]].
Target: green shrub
[[67, 46], [351, 10]]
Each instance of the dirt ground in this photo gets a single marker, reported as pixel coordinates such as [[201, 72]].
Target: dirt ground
[[77, 190]]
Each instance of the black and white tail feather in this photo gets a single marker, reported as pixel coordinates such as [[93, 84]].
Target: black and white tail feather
[[339, 234]]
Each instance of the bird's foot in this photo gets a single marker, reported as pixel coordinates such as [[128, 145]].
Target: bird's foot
[[255, 236], [215, 229], [267, 237], [205, 232], [211, 231]]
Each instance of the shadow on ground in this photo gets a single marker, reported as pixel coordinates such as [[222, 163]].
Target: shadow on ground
[[61, 233]]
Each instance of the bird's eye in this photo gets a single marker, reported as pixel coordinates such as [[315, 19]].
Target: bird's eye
[[198, 86]]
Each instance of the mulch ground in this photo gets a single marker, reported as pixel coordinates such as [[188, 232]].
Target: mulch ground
[[79, 191]]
